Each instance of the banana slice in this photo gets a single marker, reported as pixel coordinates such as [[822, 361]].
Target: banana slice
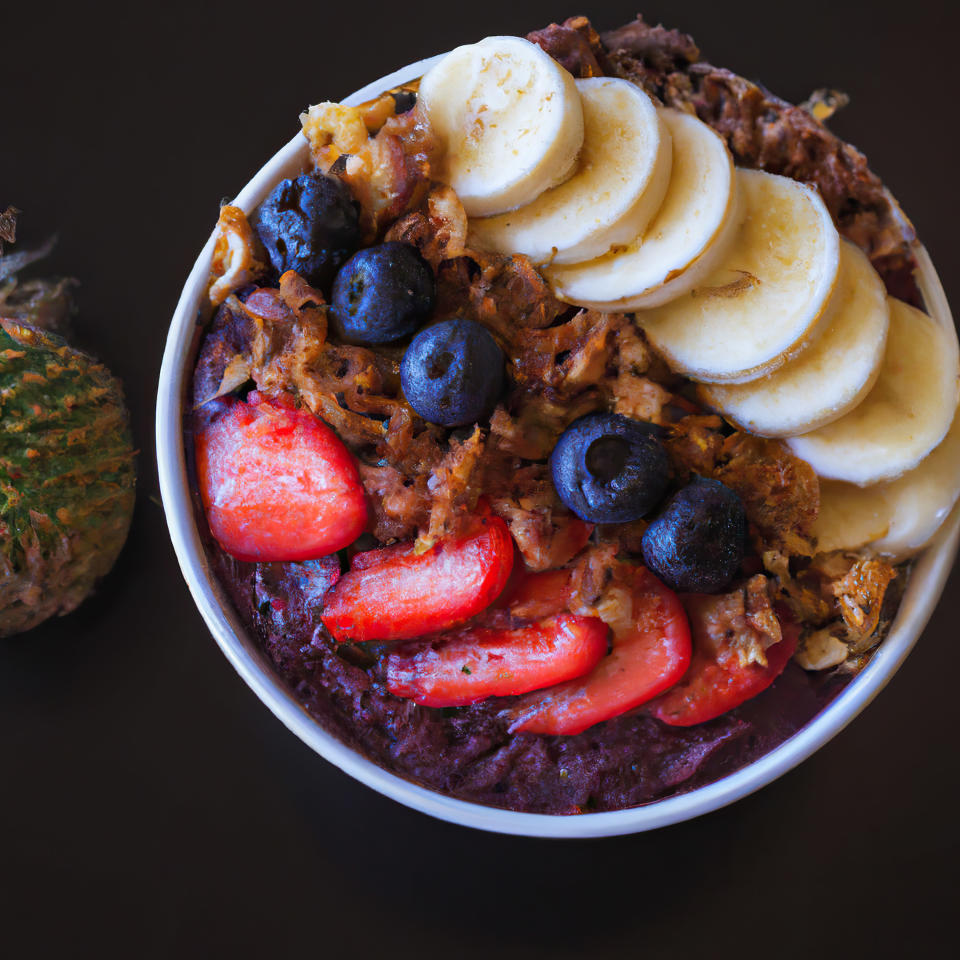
[[684, 243], [509, 119], [618, 186], [897, 518], [761, 306], [904, 416], [829, 378], [850, 517]]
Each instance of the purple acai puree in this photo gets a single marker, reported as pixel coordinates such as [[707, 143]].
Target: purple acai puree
[[466, 752]]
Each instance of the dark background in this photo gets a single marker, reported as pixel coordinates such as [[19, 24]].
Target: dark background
[[150, 806]]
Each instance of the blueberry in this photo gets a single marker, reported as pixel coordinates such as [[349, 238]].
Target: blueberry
[[452, 373], [310, 225], [608, 468], [697, 542], [382, 294]]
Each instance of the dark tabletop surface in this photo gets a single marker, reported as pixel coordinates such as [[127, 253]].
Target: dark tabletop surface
[[150, 806]]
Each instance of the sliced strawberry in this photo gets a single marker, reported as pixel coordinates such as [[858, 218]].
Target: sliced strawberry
[[713, 685], [398, 595], [373, 558], [648, 656], [535, 595], [481, 662], [276, 482], [572, 536]]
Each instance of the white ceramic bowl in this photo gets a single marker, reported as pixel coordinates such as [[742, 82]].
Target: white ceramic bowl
[[924, 589]]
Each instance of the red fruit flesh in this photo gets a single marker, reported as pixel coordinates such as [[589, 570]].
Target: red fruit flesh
[[277, 484], [711, 687], [533, 596], [402, 595], [570, 539], [373, 558], [481, 662], [647, 657]]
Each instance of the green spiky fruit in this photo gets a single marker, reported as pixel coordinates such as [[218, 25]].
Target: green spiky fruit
[[66, 475]]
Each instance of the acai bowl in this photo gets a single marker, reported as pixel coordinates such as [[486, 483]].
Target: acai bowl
[[236, 633]]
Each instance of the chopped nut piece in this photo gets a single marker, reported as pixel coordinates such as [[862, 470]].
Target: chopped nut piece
[[237, 258], [822, 649], [440, 233], [453, 490], [780, 492], [332, 129], [860, 594]]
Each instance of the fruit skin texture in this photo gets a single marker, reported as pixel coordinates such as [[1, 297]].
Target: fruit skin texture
[[396, 594], [608, 468], [276, 482], [310, 225], [67, 475], [381, 294], [697, 542], [485, 661], [649, 655], [713, 685], [452, 373]]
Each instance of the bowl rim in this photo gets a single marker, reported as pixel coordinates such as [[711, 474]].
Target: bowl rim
[[926, 583]]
